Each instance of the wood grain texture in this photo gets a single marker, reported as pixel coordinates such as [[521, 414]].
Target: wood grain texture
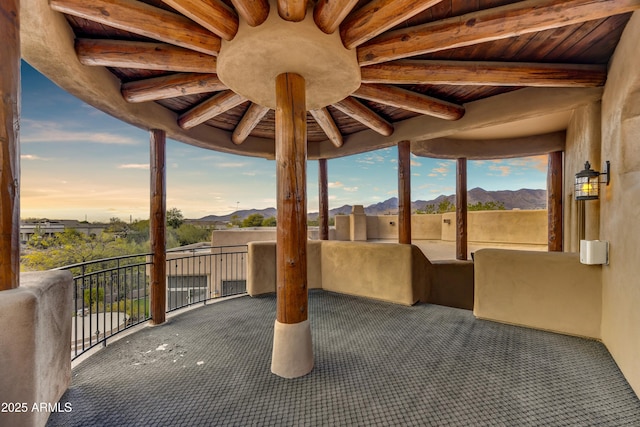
[[484, 73], [9, 145], [404, 192], [329, 14], [157, 236], [323, 200], [143, 55], [379, 16], [461, 209], [408, 100], [356, 110], [487, 25], [249, 121], [291, 158], [171, 86], [210, 108], [554, 204], [255, 12], [140, 18], [324, 119], [213, 15], [292, 10]]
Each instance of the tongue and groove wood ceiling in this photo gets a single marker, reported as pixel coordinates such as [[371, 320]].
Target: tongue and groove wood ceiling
[[416, 56]]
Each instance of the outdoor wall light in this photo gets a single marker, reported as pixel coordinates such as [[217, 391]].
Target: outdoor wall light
[[587, 186]]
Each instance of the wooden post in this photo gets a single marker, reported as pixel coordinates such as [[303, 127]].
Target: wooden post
[[554, 204], [404, 192], [461, 209], [292, 347], [157, 227], [10, 148], [323, 215]]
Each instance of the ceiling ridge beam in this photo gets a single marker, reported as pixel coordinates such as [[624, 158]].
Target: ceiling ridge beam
[[143, 55], [497, 23], [143, 19], [254, 114], [208, 109], [213, 15], [328, 125], [363, 114], [171, 86], [378, 16], [485, 73], [411, 101]]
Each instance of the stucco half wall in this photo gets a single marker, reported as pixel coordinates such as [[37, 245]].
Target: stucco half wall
[[542, 290]]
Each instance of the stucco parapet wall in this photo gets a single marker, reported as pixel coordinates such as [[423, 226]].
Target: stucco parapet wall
[[35, 351], [388, 272], [543, 290]]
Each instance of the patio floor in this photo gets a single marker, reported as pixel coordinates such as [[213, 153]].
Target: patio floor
[[375, 364]]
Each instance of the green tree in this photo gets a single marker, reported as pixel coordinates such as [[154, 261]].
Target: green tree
[[269, 222], [93, 296], [174, 218], [487, 206], [188, 234], [253, 220]]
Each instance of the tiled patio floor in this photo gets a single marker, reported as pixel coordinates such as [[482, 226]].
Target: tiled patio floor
[[376, 364]]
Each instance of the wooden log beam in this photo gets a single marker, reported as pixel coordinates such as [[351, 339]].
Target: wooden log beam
[[323, 200], [213, 15], [555, 196], [9, 146], [486, 25], [328, 125], [143, 55], [157, 236], [249, 121], [404, 192], [411, 101], [171, 87], [377, 17], [477, 73], [461, 209], [255, 12], [329, 14], [140, 18], [208, 109], [291, 158], [292, 10], [357, 111]]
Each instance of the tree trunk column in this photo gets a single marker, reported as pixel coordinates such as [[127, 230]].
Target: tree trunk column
[[157, 227], [292, 352], [554, 194], [404, 192], [10, 149], [323, 185], [461, 209]]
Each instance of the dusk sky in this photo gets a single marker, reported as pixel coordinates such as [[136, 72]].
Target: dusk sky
[[80, 163]]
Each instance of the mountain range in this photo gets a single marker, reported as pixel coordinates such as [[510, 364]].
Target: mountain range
[[519, 199]]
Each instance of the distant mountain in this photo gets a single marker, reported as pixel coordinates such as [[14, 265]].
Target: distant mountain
[[519, 199]]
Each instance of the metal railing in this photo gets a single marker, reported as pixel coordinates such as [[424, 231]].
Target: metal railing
[[112, 295]]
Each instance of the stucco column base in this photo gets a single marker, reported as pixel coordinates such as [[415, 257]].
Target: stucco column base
[[292, 349]]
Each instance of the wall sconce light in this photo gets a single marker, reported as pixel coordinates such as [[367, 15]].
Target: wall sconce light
[[587, 184]]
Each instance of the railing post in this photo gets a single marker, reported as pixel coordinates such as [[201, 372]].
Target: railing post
[[157, 227], [9, 146]]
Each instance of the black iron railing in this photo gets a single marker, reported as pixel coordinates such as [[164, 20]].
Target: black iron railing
[[112, 295]]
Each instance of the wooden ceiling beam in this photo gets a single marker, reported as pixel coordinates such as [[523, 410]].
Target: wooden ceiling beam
[[208, 109], [360, 112], [329, 14], [213, 15], [255, 12], [292, 10], [249, 121], [171, 87], [140, 18], [143, 55], [377, 17], [328, 125], [497, 23], [477, 73], [411, 101]]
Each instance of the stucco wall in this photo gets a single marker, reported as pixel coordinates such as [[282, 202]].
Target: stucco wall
[[516, 226], [35, 354], [544, 290], [619, 206]]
